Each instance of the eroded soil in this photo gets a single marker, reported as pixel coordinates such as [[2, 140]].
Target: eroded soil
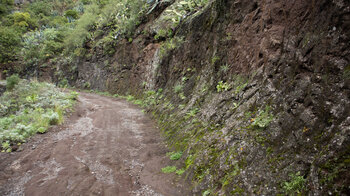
[[107, 147]]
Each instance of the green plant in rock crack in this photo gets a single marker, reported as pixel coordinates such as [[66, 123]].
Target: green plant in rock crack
[[184, 79], [240, 82], [214, 59], [263, 118], [224, 68], [191, 113], [229, 176], [206, 192], [235, 106], [162, 33], [222, 86], [295, 185], [87, 85], [178, 88], [169, 45]]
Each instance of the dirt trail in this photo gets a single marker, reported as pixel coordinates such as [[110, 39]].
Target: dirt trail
[[107, 147]]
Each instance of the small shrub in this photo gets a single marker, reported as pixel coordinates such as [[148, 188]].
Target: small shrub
[[138, 102], [73, 95], [178, 88], [222, 86], [87, 85], [60, 112], [189, 161], [5, 146], [12, 81], [227, 179], [175, 155], [6, 7], [214, 59], [240, 87], [295, 185], [76, 37], [169, 45], [130, 98], [224, 68], [24, 21], [10, 40], [181, 9], [160, 34], [240, 82], [63, 83], [71, 14], [169, 169], [191, 113], [206, 193], [182, 96], [53, 117], [263, 118], [42, 130], [32, 98]]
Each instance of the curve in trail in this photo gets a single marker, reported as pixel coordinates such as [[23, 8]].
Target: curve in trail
[[107, 147]]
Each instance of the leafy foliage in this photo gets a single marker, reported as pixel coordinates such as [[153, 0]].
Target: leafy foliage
[[23, 20], [10, 40], [29, 108], [181, 10], [170, 44], [169, 169], [295, 185], [206, 193], [41, 45], [71, 14], [77, 36], [222, 86], [5, 7], [263, 118], [191, 113], [178, 88], [12, 81], [175, 155], [180, 171]]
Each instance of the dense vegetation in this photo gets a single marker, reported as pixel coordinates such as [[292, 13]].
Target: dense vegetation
[[34, 34], [29, 107]]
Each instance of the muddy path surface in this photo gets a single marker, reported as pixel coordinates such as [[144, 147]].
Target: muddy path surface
[[107, 147]]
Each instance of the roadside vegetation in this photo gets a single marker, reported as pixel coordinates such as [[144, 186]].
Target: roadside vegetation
[[30, 107], [40, 33]]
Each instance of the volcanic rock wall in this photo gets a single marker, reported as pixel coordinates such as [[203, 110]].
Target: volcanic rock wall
[[255, 93]]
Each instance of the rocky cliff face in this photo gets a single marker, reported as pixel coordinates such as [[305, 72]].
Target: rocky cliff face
[[255, 93]]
